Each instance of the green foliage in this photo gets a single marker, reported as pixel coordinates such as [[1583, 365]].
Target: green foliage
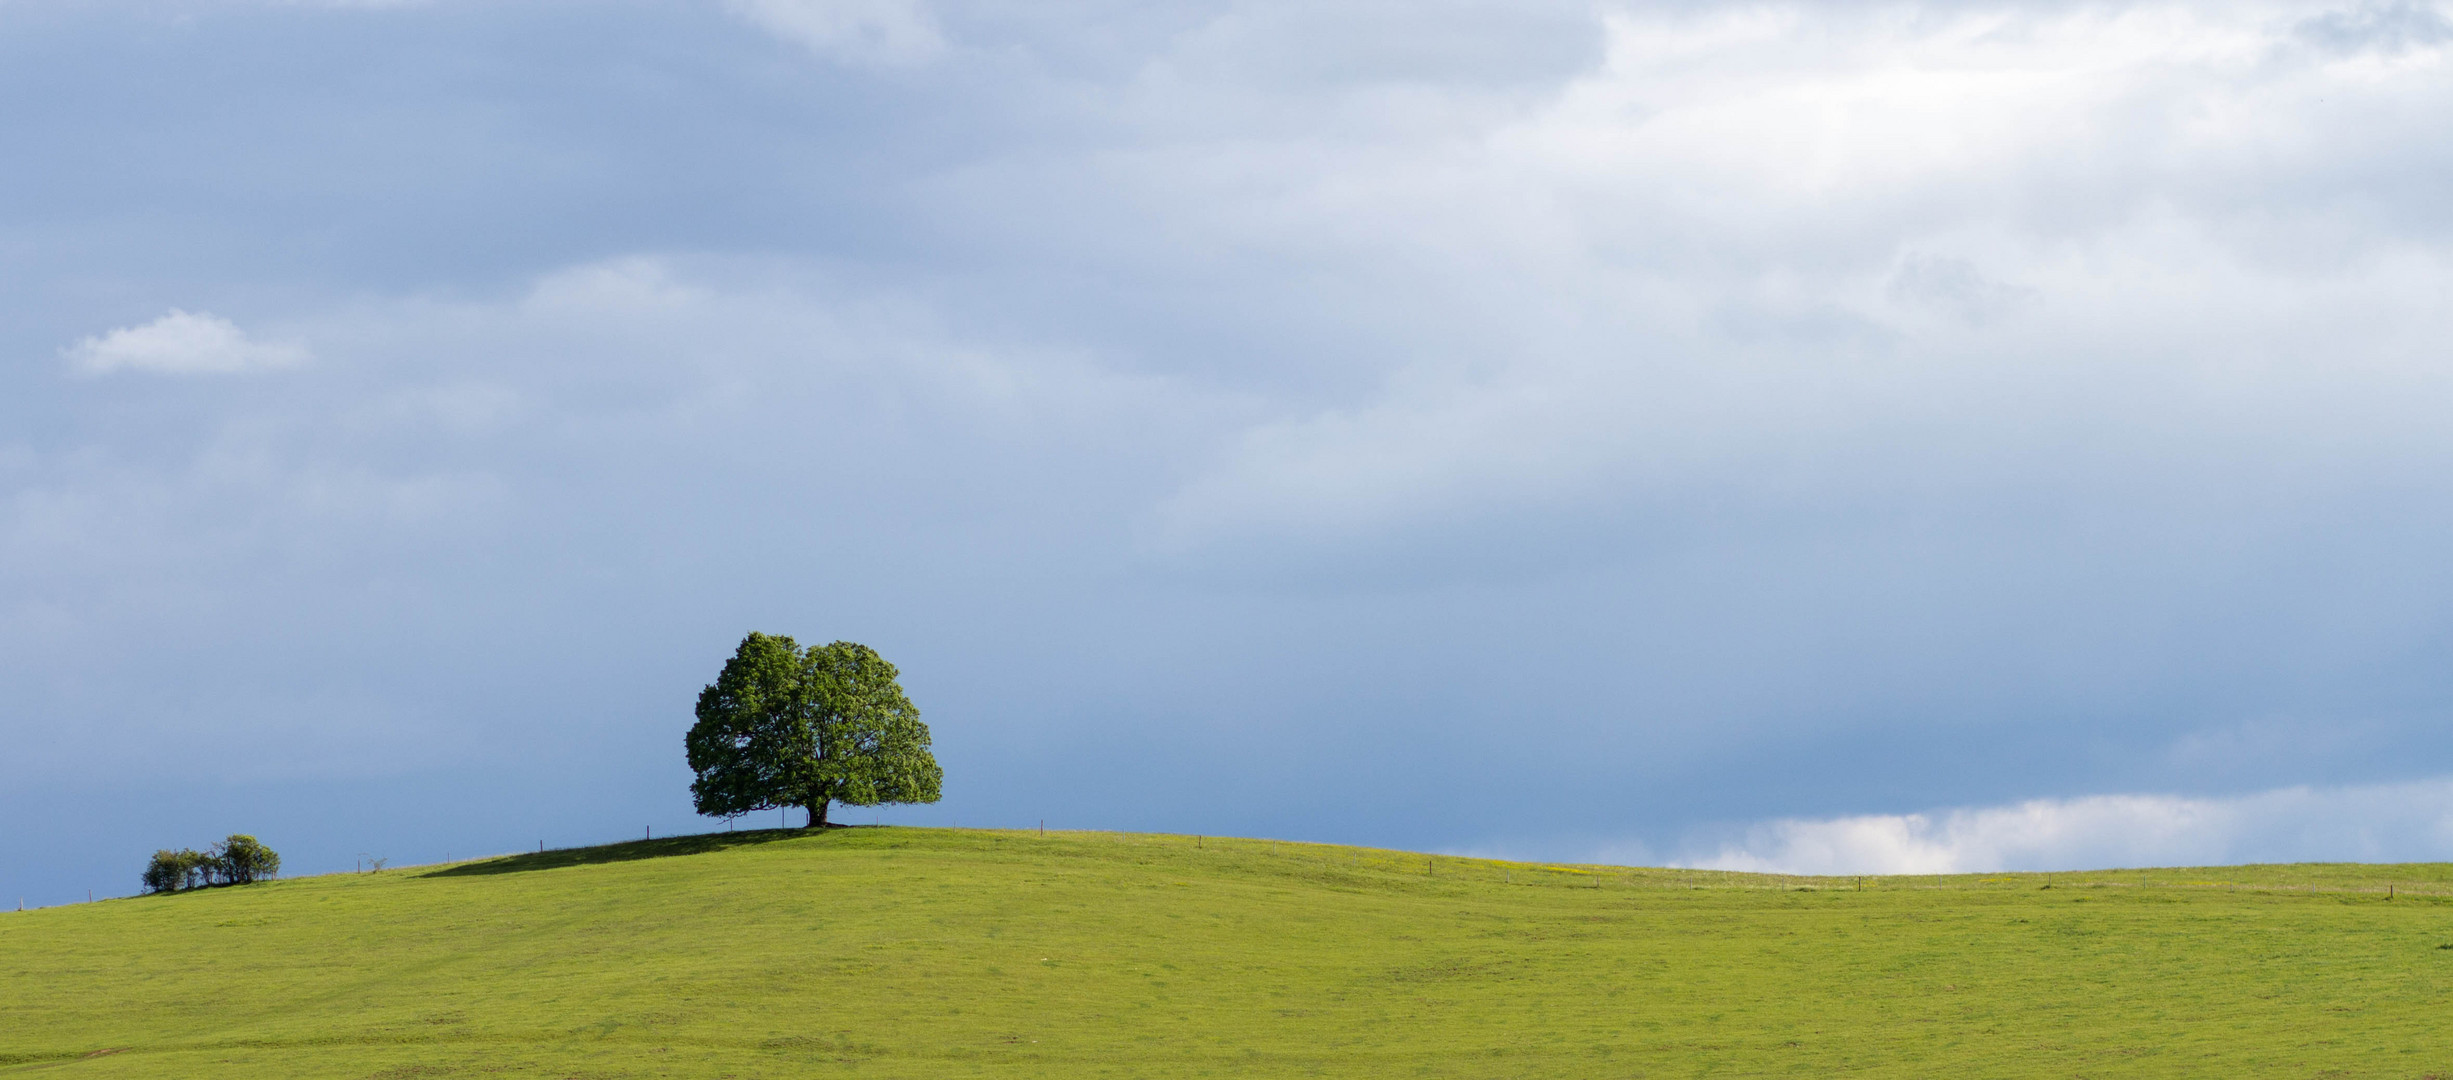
[[238, 860], [241, 860], [784, 726], [924, 953], [171, 871]]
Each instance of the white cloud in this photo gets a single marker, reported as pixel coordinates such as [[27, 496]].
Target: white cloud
[[1754, 243], [2407, 822], [183, 343], [606, 386], [887, 32]]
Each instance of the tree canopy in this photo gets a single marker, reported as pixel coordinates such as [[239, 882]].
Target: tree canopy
[[787, 726], [239, 860]]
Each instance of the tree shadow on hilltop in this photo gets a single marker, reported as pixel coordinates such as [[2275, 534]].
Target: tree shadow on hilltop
[[627, 851]]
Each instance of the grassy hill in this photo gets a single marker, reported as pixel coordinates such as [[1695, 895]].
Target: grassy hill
[[952, 953]]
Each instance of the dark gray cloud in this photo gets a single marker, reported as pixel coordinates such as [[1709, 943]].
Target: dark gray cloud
[[1544, 429]]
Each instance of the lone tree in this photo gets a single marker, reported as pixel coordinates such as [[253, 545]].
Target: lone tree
[[787, 726]]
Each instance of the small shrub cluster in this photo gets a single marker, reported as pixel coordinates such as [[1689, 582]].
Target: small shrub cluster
[[238, 860]]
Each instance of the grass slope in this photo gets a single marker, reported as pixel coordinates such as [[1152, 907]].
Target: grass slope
[[952, 953]]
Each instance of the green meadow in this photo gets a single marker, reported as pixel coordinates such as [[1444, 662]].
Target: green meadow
[[897, 952]]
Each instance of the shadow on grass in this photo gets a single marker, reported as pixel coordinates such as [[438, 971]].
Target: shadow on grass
[[627, 851]]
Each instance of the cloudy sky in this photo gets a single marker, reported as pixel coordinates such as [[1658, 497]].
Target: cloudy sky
[[1847, 437]]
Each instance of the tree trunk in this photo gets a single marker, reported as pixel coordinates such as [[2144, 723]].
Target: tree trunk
[[817, 813]]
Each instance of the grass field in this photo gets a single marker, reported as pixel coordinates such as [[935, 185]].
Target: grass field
[[900, 952]]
